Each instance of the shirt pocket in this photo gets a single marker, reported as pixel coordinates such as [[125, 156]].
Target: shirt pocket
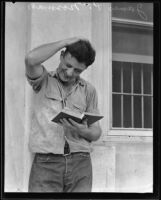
[[78, 104], [53, 99]]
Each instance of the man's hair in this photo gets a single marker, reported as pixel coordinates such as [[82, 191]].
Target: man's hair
[[82, 51]]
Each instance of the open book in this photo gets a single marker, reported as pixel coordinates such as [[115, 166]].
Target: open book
[[76, 116]]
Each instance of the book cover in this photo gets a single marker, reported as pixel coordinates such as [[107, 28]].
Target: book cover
[[76, 116], [91, 117]]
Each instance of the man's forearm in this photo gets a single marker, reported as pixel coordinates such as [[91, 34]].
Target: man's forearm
[[44, 52], [92, 133]]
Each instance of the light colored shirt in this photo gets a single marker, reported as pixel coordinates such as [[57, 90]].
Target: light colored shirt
[[49, 99]]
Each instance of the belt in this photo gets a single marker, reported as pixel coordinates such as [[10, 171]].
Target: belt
[[61, 155], [66, 151]]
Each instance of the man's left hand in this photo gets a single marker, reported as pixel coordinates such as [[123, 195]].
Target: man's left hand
[[78, 128]]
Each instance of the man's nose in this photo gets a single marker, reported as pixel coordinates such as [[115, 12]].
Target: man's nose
[[70, 72]]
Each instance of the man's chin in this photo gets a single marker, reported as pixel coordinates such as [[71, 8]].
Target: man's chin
[[66, 81], [62, 79]]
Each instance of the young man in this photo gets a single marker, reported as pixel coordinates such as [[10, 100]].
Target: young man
[[62, 160]]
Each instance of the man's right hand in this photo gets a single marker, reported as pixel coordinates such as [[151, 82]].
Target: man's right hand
[[72, 40]]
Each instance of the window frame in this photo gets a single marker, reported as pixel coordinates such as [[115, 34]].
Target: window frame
[[132, 58]]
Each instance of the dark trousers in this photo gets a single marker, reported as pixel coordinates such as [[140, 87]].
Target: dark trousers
[[59, 173]]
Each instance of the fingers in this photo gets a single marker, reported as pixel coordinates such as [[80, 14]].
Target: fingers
[[75, 39], [65, 122], [59, 123], [74, 123], [79, 125], [84, 121], [83, 38]]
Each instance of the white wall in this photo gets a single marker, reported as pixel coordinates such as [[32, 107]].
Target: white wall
[[15, 47]]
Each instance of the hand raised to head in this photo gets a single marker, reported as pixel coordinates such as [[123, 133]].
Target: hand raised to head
[[74, 39]]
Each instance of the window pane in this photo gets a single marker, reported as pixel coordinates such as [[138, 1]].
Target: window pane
[[137, 112], [116, 76], [137, 77], [131, 40], [127, 111], [126, 77], [116, 110], [147, 78], [147, 112]]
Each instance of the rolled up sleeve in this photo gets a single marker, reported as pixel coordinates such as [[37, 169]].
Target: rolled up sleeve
[[38, 82], [92, 101]]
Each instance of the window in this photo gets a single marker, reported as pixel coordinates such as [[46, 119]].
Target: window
[[132, 70], [132, 95]]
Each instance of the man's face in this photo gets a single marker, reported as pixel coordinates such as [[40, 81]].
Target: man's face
[[69, 69]]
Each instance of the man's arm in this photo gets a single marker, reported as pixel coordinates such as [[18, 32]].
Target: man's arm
[[37, 56], [90, 133]]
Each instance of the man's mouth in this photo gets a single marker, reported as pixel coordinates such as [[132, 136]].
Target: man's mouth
[[66, 77]]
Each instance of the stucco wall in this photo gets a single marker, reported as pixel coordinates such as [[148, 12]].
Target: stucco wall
[[123, 167], [15, 47], [134, 170]]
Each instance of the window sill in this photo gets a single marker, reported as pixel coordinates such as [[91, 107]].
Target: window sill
[[132, 23], [131, 132], [127, 136], [125, 139]]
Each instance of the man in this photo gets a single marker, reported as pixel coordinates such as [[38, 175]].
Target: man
[[62, 160]]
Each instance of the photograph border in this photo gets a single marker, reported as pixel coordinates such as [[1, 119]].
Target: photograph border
[[156, 129]]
